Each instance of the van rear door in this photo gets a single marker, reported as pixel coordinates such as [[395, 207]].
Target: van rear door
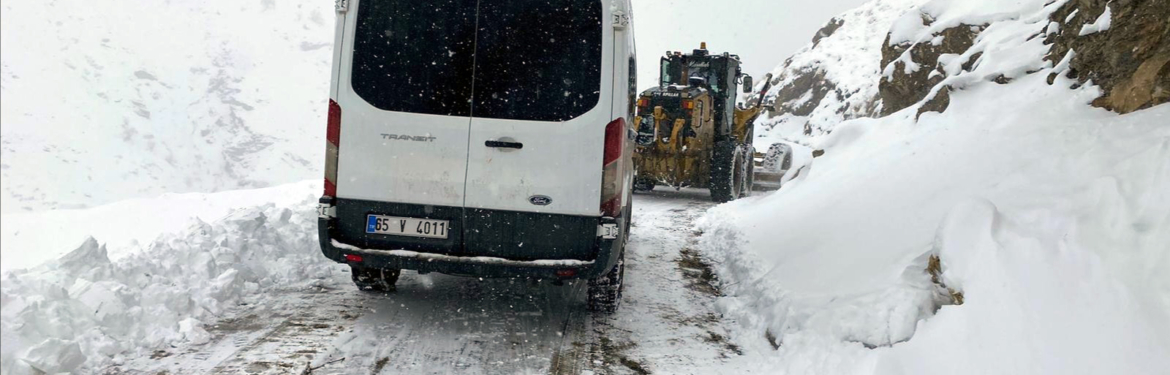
[[540, 106], [405, 103], [404, 89]]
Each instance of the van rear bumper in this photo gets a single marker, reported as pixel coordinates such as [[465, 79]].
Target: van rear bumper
[[606, 250]]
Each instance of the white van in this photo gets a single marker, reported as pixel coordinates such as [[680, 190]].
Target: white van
[[484, 138]]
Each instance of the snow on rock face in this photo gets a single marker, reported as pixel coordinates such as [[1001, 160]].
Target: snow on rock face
[[834, 78], [912, 70], [938, 15], [946, 38], [84, 312], [119, 100], [1101, 24], [1129, 59]]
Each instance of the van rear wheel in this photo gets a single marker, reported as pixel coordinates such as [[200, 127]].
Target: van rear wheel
[[374, 279], [605, 292]]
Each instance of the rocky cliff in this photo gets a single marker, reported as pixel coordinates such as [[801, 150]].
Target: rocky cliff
[[1122, 46], [888, 56]]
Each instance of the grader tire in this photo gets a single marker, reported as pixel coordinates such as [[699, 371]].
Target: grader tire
[[643, 184], [726, 172], [747, 168]]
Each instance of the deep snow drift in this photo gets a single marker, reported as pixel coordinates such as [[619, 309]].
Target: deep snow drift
[[1049, 215], [84, 311]]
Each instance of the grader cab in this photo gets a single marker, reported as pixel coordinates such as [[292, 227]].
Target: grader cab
[[690, 131]]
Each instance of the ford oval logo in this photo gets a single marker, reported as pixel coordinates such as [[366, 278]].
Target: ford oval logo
[[540, 200]]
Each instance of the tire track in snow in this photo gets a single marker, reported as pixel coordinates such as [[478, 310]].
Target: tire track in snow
[[666, 324], [437, 324], [292, 344], [279, 335]]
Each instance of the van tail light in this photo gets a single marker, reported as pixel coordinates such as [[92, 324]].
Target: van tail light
[[332, 142], [611, 192]]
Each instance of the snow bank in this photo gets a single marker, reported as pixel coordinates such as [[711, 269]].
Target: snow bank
[[83, 311], [1056, 234], [127, 227], [1049, 215]]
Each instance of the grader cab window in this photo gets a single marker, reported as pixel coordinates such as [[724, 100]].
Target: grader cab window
[[671, 73]]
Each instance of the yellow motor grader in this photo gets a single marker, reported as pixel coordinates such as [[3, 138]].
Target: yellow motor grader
[[691, 133]]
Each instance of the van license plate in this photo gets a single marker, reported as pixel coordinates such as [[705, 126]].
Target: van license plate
[[407, 226]]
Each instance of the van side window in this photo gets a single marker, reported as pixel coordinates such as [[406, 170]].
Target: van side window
[[538, 59], [415, 57]]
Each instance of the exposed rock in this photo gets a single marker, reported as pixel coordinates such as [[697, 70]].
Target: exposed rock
[[915, 69], [801, 95], [938, 103], [935, 270], [1130, 61], [828, 30]]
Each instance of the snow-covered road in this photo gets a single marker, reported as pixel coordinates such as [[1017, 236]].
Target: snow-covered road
[[443, 324]]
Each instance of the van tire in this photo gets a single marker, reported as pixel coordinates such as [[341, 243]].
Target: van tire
[[629, 221], [726, 172], [374, 279], [605, 292]]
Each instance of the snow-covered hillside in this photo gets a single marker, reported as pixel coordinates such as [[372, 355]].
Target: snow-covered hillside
[[834, 78], [1048, 216], [108, 100]]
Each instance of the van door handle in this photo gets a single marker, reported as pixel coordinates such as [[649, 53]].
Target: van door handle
[[504, 144]]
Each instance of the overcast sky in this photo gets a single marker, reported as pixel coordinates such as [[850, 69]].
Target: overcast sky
[[762, 32]]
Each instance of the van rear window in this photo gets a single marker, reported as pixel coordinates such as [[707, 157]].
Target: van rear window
[[415, 56], [538, 59], [533, 59]]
